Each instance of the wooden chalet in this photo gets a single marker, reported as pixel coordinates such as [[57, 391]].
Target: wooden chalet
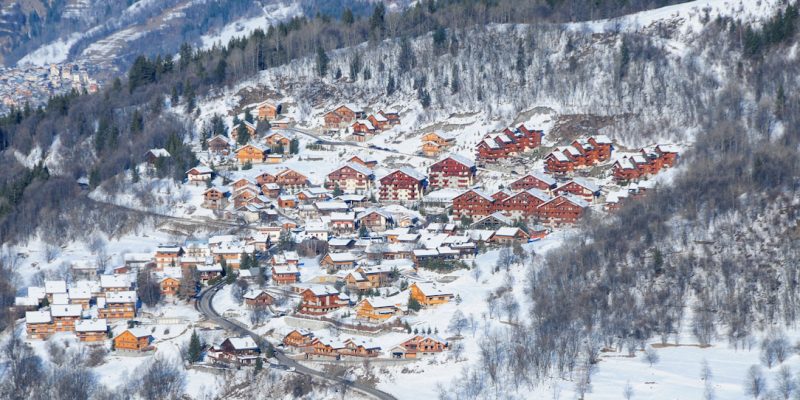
[[524, 204], [350, 178], [239, 351], [320, 300], [473, 203], [419, 346], [579, 187], [453, 171], [300, 338], [427, 294], [39, 325], [403, 185], [91, 330], [534, 181], [169, 286], [214, 198], [258, 299], [267, 110], [65, 316], [291, 180], [563, 209], [133, 340], [251, 153], [376, 309], [375, 220], [118, 305], [199, 175], [152, 155], [338, 261], [342, 116], [508, 235], [285, 274], [220, 144]]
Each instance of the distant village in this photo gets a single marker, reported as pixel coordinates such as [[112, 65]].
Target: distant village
[[357, 250], [34, 85]]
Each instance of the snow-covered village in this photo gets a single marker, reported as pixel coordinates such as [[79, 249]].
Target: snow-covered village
[[466, 206]]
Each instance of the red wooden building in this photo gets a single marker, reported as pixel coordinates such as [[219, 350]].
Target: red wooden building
[[453, 171], [320, 300], [350, 178], [473, 203], [564, 209], [403, 184], [534, 181]]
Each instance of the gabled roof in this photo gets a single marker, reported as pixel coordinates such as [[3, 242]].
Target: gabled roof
[[550, 181], [585, 183], [255, 146], [538, 194], [568, 197], [322, 290], [342, 257], [430, 289], [37, 317], [91, 325], [159, 152], [128, 296], [602, 139], [66, 310], [138, 332], [410, 172], [459, 159], [356, 167], [201, 170], [508, 231], [558, 155], [55, 287], [114, 281], [285, 269], [478, 192], [374, 210], [242, 343]]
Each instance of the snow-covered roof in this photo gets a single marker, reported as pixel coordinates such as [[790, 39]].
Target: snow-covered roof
[[243, 343], [550, 181], [330, 205], [602, 139], [200, 169], [357, 167], [159, 152], [51, 287], [668, 148], [26, 301], [479, 193], [285, 269], [366, 123], [139, 332], [60, 298], [128, 296], [559, 156], [410, 172], [322, 290], [91, 325], [460, 159], [343, 216], [37, 292], [342, 257], [66, 310], [37, 317], [538, 194], [430, 289], [114, 281], [587, 184], [209, 268], [507, 231]]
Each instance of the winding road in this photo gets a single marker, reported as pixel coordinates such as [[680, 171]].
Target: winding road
[[205, 305]]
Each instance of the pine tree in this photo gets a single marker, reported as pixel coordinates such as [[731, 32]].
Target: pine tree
[[294, 146], [195, 351], [135, 174], [322, 62], [259, 365], [347, 16], [137, 122], [455, 82], [390, 86]]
